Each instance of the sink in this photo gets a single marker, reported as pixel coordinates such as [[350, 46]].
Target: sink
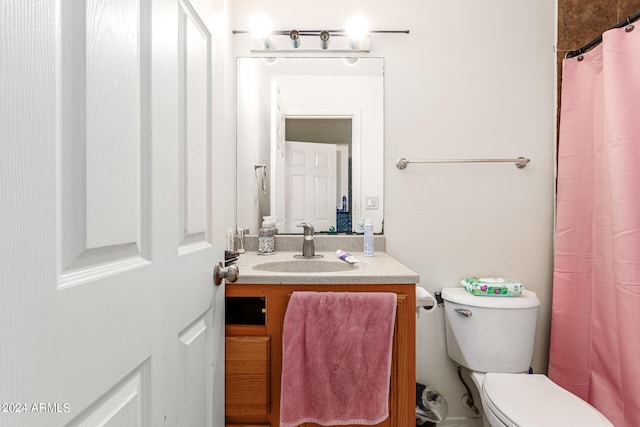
[[305, 266]]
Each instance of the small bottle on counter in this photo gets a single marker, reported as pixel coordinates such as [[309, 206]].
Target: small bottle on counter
[[230, 241], [368, 237], [242, 232]]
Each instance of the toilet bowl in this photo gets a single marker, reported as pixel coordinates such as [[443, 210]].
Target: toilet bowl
[[493, 338], [521, 400]]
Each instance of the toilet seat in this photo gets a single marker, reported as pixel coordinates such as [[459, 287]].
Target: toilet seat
[[522, 400]]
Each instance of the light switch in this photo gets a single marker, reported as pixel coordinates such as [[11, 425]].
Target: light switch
[[372, 202]]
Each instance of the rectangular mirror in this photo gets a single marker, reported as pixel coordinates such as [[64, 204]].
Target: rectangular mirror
[[310, 143]]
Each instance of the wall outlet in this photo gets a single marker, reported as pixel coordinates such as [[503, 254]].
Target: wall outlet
[[372, 203]]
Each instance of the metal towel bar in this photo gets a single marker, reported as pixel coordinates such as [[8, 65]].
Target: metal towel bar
[[519, 162]]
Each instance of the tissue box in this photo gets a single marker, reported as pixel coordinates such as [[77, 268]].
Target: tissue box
[[492, 286]]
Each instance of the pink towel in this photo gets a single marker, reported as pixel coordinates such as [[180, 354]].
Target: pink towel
[[336, 358]]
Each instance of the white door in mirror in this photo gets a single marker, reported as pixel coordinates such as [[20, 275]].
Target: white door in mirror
[[310, 185]]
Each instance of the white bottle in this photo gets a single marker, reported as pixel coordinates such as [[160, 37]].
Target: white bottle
[[368, 237]]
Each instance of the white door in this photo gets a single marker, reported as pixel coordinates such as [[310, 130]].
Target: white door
[[108, 313], [310, 185]]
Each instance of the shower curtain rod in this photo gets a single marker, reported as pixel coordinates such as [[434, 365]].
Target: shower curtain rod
[[593, 43]]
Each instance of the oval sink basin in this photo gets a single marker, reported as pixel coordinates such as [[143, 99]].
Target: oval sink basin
[[305, 266]]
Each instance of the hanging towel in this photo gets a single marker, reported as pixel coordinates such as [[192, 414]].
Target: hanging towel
[[336, 358]]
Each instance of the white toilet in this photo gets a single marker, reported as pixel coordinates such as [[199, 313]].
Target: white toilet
[[493, 337]]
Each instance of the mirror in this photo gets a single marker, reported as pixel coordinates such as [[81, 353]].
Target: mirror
[[310, 143]]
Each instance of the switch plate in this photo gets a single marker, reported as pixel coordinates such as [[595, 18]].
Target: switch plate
[[372, 203]]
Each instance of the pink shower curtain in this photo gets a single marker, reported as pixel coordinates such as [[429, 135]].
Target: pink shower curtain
[[595, 327]]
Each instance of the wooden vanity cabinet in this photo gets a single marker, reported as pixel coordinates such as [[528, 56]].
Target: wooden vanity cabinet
[[254, 356]]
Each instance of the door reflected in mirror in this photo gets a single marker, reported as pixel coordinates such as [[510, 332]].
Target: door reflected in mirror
[[310, 143]]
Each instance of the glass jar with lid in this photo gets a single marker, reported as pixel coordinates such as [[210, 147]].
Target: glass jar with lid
[[267, 237]]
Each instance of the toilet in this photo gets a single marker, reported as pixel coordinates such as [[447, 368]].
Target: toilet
[[493, 337]]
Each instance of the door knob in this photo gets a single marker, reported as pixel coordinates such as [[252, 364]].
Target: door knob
[[220, 272]]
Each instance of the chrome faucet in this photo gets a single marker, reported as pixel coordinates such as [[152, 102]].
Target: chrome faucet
[[308, 248]]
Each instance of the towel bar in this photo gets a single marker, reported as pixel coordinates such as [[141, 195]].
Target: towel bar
[[289, 296], [520, 162]]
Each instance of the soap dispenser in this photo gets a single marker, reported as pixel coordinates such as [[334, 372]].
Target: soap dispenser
[[267, 237]]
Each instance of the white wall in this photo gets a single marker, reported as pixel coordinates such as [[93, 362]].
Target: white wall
[[472, 79]]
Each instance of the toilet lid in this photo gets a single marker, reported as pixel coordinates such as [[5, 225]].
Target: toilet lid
[[534, 400]]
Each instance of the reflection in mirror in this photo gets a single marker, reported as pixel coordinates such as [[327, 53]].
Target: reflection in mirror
[[310, 143]]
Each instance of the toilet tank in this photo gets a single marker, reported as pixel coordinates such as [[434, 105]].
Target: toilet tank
[[490, 334]]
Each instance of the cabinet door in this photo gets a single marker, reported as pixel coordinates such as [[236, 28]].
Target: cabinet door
[[247, 379], [242, 366]]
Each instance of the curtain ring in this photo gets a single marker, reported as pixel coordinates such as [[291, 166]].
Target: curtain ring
[[629, 28]]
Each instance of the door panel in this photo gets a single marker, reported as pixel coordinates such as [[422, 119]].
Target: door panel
[[116, 39], [195, 355], [195, 123], [109, 237], [127, 404], [103, 106], [310, 185]]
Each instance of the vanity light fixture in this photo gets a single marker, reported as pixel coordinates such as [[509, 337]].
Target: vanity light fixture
[[355, 38]]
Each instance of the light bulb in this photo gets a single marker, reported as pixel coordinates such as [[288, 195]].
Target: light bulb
[[260, 25], [357, 27]]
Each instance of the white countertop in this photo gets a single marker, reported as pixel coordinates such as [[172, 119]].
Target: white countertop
[[378, 269]]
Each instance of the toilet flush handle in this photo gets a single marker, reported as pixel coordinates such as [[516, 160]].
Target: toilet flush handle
[[464, 312]]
